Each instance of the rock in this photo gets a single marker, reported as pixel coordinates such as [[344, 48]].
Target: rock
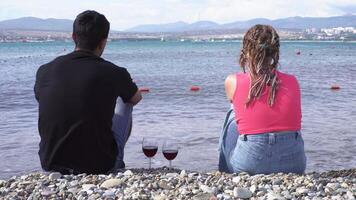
[[202, 196], [171, 175], [286, 194], [89, 192], [333, 186], [236, 179], [230, 192], [190, 175], [128, 173], [206, 189], [349, 195], [337, 197], [242, 193], [183, 173], [54, 176], [302, 190], [329, 190], [109, 193], [274, 196], [73, 190], [260, 193], [48, 192], [276, 182], [253, 188], [74, 183], [2, 182], [195, 191], [88, 186], [160, 197], [111, 183], [164, 185], [226, 197]]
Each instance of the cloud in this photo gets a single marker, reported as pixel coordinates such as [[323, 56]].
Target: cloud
[[127, 13]]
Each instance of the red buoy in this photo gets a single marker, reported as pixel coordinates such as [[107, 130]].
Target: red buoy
[[194, 88], [144, 89], [335, 87]]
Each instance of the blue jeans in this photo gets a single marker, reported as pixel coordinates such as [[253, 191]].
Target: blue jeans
[[260, 153], [121, 127]]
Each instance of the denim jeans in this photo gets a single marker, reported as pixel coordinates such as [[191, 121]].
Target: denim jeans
[[260, 153], [121, 127]]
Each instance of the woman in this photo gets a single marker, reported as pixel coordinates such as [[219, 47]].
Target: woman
[[265, 136]]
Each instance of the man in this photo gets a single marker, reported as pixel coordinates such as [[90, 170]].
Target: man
[[77, 96]]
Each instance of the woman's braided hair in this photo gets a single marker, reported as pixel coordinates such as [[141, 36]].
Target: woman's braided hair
[[260, 55]]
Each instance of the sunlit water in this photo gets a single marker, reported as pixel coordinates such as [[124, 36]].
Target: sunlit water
[[170, 110]]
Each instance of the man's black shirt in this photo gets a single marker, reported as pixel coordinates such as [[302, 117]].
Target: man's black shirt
[[77, 94]]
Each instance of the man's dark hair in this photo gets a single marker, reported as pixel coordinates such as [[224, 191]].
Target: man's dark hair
[[89, 29]]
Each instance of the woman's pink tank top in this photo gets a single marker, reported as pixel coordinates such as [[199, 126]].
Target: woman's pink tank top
[[259, 117]]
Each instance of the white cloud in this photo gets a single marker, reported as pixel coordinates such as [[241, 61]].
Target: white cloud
[[127, 13]]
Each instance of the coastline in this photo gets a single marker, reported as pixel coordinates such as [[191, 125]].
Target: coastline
[[163, 183]]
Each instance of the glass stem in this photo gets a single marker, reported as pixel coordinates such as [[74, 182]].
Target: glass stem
[[149, 165], [170, 164]]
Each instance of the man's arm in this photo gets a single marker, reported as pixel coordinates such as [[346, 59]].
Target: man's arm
[[136, 98], [127, 89]]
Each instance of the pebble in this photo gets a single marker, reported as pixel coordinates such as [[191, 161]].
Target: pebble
[[302, 190], [128, 173], [109, 193], [164, 184], [242, 193], [349, 195], [274, 196], [253, 188], [111, 183], [48, 192], [236, 179], [203, 196], [160, 197], [206, 189], [2, 182], [54, 176], [88, 186], [171, 175]]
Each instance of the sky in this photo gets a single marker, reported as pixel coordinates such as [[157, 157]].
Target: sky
[[124, 14]]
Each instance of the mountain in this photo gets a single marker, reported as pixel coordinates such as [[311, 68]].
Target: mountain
[[33, 23], [285, 23]]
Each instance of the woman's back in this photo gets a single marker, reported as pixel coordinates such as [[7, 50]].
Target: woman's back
[[265, 137], [258, 117]]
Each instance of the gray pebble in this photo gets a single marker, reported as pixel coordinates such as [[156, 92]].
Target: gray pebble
[[242, 193]]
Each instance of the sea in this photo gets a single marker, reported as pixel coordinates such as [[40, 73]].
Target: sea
[[193, 120]]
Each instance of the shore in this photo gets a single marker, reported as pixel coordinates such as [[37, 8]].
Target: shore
[[163, 183]]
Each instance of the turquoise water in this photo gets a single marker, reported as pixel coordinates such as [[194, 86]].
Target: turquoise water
[[193, 119]]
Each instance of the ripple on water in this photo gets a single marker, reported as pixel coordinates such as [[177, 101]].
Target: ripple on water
[[171, 110]]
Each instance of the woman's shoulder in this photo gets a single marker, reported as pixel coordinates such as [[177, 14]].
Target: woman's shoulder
[[286, 76], [232, 78]]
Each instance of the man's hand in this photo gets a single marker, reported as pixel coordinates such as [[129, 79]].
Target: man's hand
[[136, 98]]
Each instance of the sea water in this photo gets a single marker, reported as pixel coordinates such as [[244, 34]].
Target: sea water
[[171, 111]]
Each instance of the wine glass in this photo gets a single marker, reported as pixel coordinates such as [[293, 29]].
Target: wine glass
[[170, 150], [149, 148]]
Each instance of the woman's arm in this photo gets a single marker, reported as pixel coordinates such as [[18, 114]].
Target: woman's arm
[[230, 86]]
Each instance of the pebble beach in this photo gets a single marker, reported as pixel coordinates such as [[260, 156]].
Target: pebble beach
[[164, 183]]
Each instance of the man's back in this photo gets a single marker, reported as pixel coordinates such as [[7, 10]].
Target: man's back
[[77, 95]]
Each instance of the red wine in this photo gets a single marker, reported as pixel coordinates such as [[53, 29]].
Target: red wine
[[150, 151], [170, 154]]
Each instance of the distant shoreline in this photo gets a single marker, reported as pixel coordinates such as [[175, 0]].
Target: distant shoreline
[[179, 40]]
